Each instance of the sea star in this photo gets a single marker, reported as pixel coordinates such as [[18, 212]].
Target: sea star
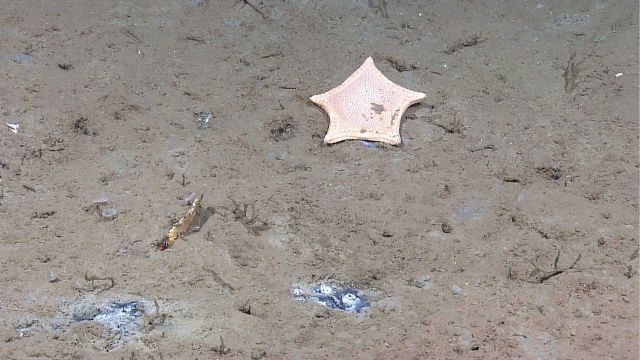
[[366, 106]]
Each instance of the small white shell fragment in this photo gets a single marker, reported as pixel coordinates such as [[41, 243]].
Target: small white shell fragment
[[456, 290], [14, 127], [349, 300], [109, 213], [101, 200], [203, 118], [619, 74], [205, 121], [297, 292], [53, 278], [326, 289]]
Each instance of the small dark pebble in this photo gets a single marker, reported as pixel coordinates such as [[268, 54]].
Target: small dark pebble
[[446, 228]]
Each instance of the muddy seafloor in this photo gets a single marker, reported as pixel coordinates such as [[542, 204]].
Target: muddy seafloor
[[505, 225]]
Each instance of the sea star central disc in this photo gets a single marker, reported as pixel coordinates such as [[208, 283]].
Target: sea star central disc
[[366, 106]]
